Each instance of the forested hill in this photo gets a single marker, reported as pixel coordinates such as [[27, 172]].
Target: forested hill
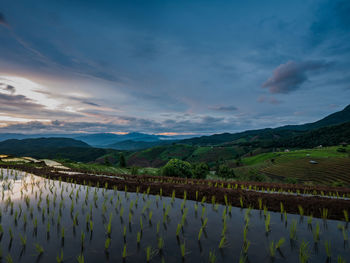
[[327, 136], [269, 134], [52, 148]]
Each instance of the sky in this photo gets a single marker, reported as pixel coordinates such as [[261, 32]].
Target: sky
[[171, 67]]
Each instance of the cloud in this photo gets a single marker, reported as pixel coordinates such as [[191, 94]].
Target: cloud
[[224, 108], [90, 103], [17, 103], [10, 88], [290, 76], [3, 20], [271, 100], [332, 22], [14, 106], [193, 124]]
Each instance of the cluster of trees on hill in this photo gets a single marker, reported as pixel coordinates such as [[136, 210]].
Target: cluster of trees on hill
[[327, 136], [179, 168]]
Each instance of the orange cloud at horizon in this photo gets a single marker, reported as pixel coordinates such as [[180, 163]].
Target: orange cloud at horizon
[[174, 133]]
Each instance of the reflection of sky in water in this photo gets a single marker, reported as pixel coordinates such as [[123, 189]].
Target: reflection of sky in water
[[12, 182], [83, 198]]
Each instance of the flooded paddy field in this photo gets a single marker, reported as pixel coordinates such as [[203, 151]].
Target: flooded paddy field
[[43, 220]]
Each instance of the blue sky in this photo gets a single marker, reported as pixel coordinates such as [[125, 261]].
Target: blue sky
[[178, 67]]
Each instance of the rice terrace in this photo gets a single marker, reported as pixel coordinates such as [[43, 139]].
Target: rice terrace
[[174, 131], [72, 216]]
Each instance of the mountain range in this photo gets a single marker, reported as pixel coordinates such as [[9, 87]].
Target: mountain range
[[330, 130]]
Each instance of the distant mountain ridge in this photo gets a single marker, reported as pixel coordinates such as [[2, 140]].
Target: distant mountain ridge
[[336, 118], [271, 134], [136, 141], [97, 139], [53, 148], [131, 145], [104, 139], [42, 142]]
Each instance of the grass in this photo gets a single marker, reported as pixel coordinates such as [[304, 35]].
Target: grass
[[333, 166], [96, 168]]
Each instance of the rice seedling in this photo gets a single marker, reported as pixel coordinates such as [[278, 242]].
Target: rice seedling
[[245, 232], [344, 233], [107, 243], [242, 258], [184, 226], [316, 233], [183, 250], [212, 257], [267, 223], [109, 226], [62, 232], [91, 226], [10, 233], [301, 210], [304, 252], [285, 217], [246, 245], [138, 238], [281, 207], [158, 227], [82, 239], [59, 257], [124, 232], [178, 229], [80, 258], [324, 213], [200, 233], [39, 249], [9, 259], [293, 230], [150, 214], [222, 242], [23, 240], [273, 247], [340, 260], [124, 254], [48, 227], [346, 215], [327, 246], [309, 220]]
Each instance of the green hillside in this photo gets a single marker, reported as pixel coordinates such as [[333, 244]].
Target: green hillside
[[326, 136], [160, 155], [332, 165]]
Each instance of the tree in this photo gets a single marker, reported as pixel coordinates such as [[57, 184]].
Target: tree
[[200, 170], [122, 162], [107, 160], [225, 171], [177, 168], [134, 170]]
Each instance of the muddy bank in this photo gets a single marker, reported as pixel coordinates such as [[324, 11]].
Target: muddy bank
[[199, 189], [315, 189]]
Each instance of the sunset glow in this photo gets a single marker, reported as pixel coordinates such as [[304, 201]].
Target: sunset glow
[[104, 67]]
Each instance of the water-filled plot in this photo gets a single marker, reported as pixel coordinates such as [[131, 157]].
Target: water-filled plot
[[53, 221]]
